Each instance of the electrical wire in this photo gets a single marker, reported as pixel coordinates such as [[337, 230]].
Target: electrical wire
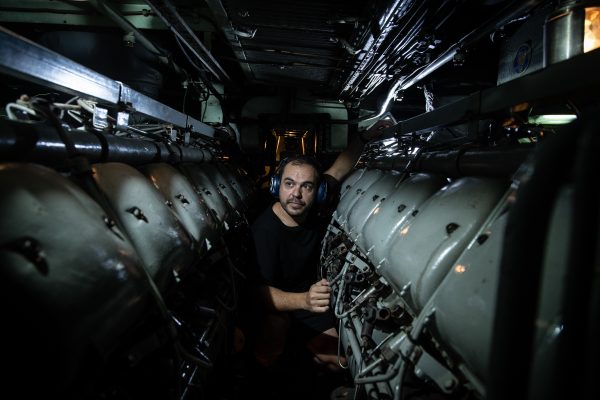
[[21, 107]]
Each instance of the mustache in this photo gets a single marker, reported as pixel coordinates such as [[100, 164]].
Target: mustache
[[299, 202]]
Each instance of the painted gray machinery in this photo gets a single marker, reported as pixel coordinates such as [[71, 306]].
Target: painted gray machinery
[[465, 272], [123, 246], [412, 266], [134, 264], [433, 275], [120, 276]]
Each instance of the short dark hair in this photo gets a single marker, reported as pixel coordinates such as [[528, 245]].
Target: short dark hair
[[300, 160]]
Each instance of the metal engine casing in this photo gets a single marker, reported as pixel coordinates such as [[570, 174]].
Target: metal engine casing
[[75, 283], [122, 279], [413, 262]]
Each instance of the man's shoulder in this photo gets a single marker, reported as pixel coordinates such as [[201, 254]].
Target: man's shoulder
[[266, 220]]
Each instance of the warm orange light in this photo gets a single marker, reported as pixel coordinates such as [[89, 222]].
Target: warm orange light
[[278, 149], [591, 30], [459, 268]]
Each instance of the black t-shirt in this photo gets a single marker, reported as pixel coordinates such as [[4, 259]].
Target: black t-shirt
[[287, 257]]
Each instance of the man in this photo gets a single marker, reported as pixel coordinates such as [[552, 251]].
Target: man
[[287, 236]]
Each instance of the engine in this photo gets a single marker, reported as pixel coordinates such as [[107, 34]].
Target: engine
[[137, 140], [431, 273], [125, 281]]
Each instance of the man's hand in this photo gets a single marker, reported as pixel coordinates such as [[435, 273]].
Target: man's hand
[[347, 159], [317, 297]]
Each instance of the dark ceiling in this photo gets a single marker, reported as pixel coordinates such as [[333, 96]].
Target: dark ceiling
[[358, 51], [354, 51], [291, 43]]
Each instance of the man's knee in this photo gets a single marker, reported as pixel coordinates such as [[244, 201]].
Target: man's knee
[[270, 338], [325, 348]]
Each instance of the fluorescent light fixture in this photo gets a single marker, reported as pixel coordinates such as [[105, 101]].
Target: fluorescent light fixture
[[551, 119]]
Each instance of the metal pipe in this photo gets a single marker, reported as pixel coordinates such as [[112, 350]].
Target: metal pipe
[[385, 23], [405, 35], [168, 13], [507, 14], [407, 82], [352, 338], [41, 143], [495, 162]]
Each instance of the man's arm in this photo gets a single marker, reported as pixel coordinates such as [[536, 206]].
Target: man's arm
[[316, 299], [344, 163]]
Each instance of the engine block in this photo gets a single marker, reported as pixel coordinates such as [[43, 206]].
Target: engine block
[[414, 262]]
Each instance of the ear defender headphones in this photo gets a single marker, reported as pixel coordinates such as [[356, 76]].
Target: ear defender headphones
[[276, 178]]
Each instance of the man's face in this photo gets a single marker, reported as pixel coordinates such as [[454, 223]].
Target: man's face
[[298, 189]]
